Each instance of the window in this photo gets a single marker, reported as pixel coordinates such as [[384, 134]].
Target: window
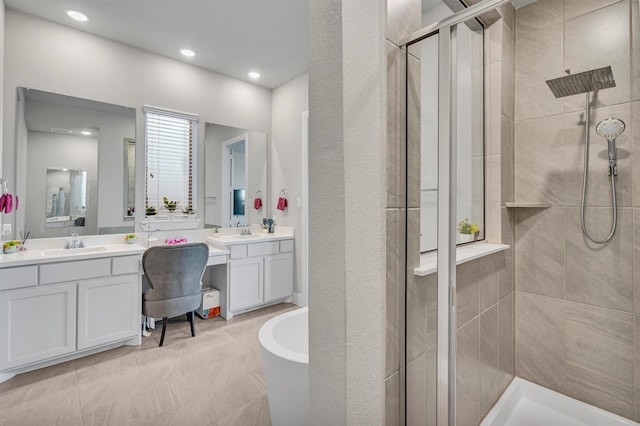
[[169, 138]]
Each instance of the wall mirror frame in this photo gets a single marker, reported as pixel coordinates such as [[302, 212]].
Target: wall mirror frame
[[235, 164], [64, 132]]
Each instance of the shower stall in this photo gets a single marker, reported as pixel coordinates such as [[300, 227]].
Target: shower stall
[[523, 121]]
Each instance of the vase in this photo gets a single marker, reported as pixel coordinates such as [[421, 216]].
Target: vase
[[465, 238]]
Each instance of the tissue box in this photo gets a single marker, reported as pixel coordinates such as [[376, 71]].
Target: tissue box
[[210, 305]]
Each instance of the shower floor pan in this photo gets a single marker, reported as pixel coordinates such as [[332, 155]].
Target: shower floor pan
[[527, 404]]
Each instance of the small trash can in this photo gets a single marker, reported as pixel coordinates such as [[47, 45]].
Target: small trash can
[[210, 304]]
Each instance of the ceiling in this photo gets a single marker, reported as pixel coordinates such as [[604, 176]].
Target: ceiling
[[232, 37]]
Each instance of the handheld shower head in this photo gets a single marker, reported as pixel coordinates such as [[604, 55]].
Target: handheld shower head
[[610, 128]]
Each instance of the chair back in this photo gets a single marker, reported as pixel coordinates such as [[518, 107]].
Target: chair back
[[174, 271]]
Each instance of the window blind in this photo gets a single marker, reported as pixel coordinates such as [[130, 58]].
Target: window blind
[[169, 137]]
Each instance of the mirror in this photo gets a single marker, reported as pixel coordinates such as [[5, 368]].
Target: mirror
[[67, 143], [235, 176], [65, 197]]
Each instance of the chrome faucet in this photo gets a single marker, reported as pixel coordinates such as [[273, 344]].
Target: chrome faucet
[[246, 231], [75, 242]]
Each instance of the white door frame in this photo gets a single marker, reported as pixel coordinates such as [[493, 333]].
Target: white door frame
[[226, 214]]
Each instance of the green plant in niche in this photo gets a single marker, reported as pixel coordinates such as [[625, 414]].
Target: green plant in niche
[[150, 211], [170, 205], [188, 210], [464, 227]]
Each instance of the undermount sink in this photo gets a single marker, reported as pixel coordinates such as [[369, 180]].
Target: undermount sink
[[70, 252], [249, 237]]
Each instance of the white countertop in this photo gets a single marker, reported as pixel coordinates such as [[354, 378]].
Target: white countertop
[[224, 240], [49, 255]]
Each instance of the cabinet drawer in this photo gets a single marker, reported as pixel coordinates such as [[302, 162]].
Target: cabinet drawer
[[125, 265], [25, 276], [262, 249], [78, 270], [286, 246], [238, 252]]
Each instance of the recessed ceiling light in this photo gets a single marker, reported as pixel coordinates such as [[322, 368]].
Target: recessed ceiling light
[[74, 14], [188, 53], [254, 75], [86, 133]]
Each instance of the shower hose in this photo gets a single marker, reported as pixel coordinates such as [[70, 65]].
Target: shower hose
[[585, 175]]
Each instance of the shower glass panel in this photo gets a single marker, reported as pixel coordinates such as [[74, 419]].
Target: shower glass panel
[[445, 119]]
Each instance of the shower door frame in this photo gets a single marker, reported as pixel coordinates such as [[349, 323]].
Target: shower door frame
[[447, 188]]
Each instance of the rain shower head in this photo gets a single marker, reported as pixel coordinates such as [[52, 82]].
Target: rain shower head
[[610, 128], [588, 81]]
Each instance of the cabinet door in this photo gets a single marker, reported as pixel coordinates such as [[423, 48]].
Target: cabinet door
[[245, 283], [108, 310], [36, 324], [278, 277]]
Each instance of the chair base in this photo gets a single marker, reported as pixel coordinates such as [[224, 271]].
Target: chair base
[[190, 316]]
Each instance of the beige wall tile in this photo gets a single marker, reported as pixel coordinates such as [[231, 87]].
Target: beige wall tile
[[396, 155], [468, 374], [540, 14], [600, 391], [392, 400], [432, 384], [467, 293], [508, 14], [417, 390], [598, 182], [417, 317], [637, 370], [538, 58], [540, 340], [490, 377], [413, 132], [573, 8], [493, 193], [635, 52], [635, 148], [508, 87], [403, 18], [431, 284], [540, 251], [601, 341], [590, 42], [636, 260], [493, 43], [539, 160], [505, 274], [394, 288], [506, 343], [507, 172], [600, 275], [492, 108], [487, 276]]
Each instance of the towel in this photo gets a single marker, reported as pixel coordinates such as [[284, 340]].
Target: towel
[[257, 203], [8, 203], [3, 198], [282, 203]]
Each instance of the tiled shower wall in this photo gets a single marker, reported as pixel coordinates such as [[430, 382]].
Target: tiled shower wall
[[577, 303], [485, 287]]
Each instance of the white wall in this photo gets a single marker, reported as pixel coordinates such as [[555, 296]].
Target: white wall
[[347, 128], [44, 56], [52, 150], [289, 102]]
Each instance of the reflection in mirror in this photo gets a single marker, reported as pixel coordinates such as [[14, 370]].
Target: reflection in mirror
[[129, 187], [469, 130], [66, 195], [63, 132], [235, 175]]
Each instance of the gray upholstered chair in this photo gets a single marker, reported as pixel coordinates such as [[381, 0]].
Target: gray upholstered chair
[[174, 274]]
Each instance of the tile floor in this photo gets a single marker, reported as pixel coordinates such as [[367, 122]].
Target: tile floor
[[214, 379]]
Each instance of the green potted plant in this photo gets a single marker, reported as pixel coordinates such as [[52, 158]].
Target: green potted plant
[[10, 246], [188, 210], [170, 205], [150, 211], [467, 231], [130, 238]]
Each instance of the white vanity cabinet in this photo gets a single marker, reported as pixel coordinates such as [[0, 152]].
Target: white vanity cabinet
[[37, 323], [259, 273], [59, 310]]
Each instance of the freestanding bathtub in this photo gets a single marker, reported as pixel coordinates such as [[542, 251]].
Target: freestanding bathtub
[[285, 358]]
